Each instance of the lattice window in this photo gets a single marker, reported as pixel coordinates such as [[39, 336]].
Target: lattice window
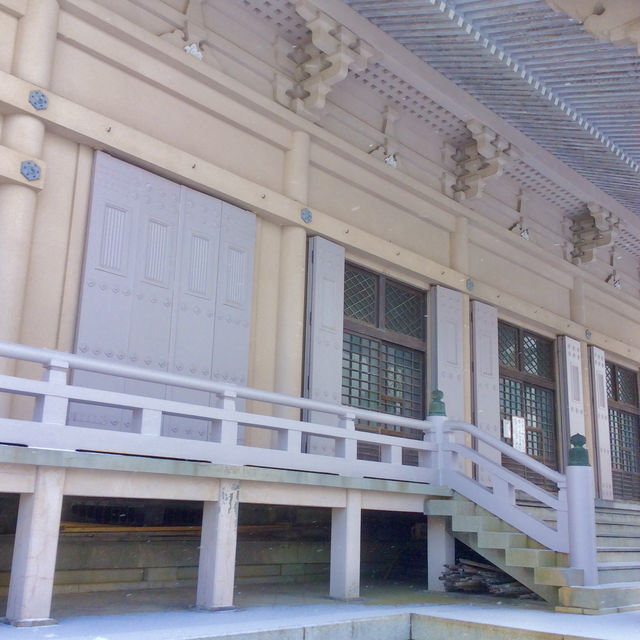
[[382, 377], [537, 356], [383, 362], [403, 310], [624, 431], [527, 391], [360, 295], [508, 345]]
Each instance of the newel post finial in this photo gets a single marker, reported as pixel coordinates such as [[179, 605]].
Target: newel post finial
[[436, 406], [578, 455]]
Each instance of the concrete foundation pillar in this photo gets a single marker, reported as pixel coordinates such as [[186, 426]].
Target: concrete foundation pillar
[[345, 548], [35, 548], [216, 570], [440, 551]]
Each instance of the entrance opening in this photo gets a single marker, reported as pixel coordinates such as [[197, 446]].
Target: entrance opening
[[394, 548]]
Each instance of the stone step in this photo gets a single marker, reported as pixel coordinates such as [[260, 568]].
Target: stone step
[[449, 507], [474, 524], [501, 539], [608, 598], [612, 572], [622, 530], [619, 554], [611, 516], [618, 518], [617, 541], [558, 576], [534, 558]]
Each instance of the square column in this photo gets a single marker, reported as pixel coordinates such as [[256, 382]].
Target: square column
[[345, 548], [216, 569], [35, 549], [440, 551]]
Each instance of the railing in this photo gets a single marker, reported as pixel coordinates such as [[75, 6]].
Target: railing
[[498, 494], [151, 436], [440, 458]]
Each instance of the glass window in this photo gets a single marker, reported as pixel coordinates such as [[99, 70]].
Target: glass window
[[383, 361], [527, 390], [624, 431]]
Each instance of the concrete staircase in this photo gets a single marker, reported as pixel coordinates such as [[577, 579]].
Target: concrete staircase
[[546, 572], [618, 541]]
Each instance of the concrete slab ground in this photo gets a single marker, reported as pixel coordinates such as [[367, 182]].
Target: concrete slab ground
[[294, 612]]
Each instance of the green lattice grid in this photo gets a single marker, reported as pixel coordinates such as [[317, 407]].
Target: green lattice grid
[[382, 377], [537, 356], [403, 311], [360, 295], [625, 440], [508, 345]]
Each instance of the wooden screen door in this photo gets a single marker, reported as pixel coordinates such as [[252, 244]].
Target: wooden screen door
[[166, 286]]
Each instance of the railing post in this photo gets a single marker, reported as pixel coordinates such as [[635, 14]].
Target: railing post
[[347, 447], [438, 417], [50, 408], [440, 542], [226, 431], [581, 511]]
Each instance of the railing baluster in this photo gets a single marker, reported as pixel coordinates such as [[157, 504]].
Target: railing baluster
[[226, 431], [347, 447], [391, 454], [290, 440], [52, 409], [148, 422]]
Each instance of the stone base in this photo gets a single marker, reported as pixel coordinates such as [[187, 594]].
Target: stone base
[[29, 622]]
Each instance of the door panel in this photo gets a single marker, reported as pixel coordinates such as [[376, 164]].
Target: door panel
[[167, 286]]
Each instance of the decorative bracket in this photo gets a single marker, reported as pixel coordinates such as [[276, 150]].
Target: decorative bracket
[[484, 158], [597, 228], [193, 37], [614, 20], [324, 62], [388, 150], [613, 278], [520, 226]]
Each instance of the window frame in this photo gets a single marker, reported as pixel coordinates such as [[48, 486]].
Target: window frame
[[548, 384], [382, 334], [379, 331], [620, 475]]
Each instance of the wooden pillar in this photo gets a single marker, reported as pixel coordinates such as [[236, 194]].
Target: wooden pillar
[[292, 279], [34, 554], [345, 548], [32, 61], [216, 569]]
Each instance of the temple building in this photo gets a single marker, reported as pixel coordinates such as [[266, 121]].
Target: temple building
[[319, 290]]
